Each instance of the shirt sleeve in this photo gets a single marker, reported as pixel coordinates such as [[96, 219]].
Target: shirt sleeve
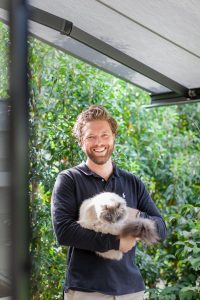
[[64, 212], [149, 210]]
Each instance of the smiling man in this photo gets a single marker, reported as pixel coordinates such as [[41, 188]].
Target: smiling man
[[98, 141], [89, 276]]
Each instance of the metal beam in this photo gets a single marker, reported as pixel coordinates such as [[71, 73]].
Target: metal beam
[[126, 60], [44, 18], [66, 27], [93, 59], [19, 124], [171, 102], [191, 96]]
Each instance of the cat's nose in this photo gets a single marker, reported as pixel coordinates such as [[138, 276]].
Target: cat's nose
[[109, 219]]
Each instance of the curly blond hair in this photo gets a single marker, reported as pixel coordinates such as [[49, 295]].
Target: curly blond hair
[[92, 113]]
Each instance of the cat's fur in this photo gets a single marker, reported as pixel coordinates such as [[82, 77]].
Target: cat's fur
[[107, 213]]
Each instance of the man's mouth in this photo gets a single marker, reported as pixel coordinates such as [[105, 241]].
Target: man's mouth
[[99, 150]]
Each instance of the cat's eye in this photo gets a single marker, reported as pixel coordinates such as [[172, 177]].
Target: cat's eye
[[118, 206]]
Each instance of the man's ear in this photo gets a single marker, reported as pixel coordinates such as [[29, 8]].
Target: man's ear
[[81, 144]]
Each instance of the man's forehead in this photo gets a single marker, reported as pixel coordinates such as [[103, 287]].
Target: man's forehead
[[97, 125]]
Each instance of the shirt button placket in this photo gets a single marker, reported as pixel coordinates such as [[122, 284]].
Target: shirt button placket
[[104, 183]]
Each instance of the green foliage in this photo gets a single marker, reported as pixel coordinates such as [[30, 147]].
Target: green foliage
[[4, 46], [47, 256], [160, 145]]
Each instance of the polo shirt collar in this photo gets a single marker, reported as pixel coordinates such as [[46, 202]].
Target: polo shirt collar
[[84, 169]]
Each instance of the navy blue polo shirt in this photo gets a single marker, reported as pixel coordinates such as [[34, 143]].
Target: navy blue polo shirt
[[86, 271]]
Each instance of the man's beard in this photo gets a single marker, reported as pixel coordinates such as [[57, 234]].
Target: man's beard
[[100, 160]]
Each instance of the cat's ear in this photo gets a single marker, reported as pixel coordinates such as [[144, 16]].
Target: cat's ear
[[91, 213]]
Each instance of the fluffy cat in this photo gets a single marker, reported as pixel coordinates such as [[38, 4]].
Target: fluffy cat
[[107, 213]]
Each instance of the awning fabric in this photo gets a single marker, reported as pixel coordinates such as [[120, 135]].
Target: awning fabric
[[153, 44]]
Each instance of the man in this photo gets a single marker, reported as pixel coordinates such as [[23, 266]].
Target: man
[[89, 276]]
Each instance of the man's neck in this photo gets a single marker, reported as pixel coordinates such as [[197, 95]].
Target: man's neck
[[104, 170]]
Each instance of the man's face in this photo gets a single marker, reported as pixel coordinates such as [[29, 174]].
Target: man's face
[[98, 141]]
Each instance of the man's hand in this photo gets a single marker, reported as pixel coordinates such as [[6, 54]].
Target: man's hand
[[127, 243]]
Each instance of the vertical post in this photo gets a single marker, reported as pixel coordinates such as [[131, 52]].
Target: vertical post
[[5, 243], [19, 150]]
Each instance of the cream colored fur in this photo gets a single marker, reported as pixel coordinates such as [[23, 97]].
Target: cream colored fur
[[107, 213]]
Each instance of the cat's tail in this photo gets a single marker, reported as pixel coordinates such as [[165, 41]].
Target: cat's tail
[[141, 228]]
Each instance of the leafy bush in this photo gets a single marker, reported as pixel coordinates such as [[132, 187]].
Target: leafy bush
[[160, 145]]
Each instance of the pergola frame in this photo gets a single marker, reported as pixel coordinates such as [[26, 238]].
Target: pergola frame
[[19, 13], [178, 94]]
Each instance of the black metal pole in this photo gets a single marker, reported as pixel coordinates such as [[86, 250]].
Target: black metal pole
[[19, 150]]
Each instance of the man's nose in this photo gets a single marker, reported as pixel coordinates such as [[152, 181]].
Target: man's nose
[[98, 140]]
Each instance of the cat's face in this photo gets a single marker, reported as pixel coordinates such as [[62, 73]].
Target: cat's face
[[113, 212]]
